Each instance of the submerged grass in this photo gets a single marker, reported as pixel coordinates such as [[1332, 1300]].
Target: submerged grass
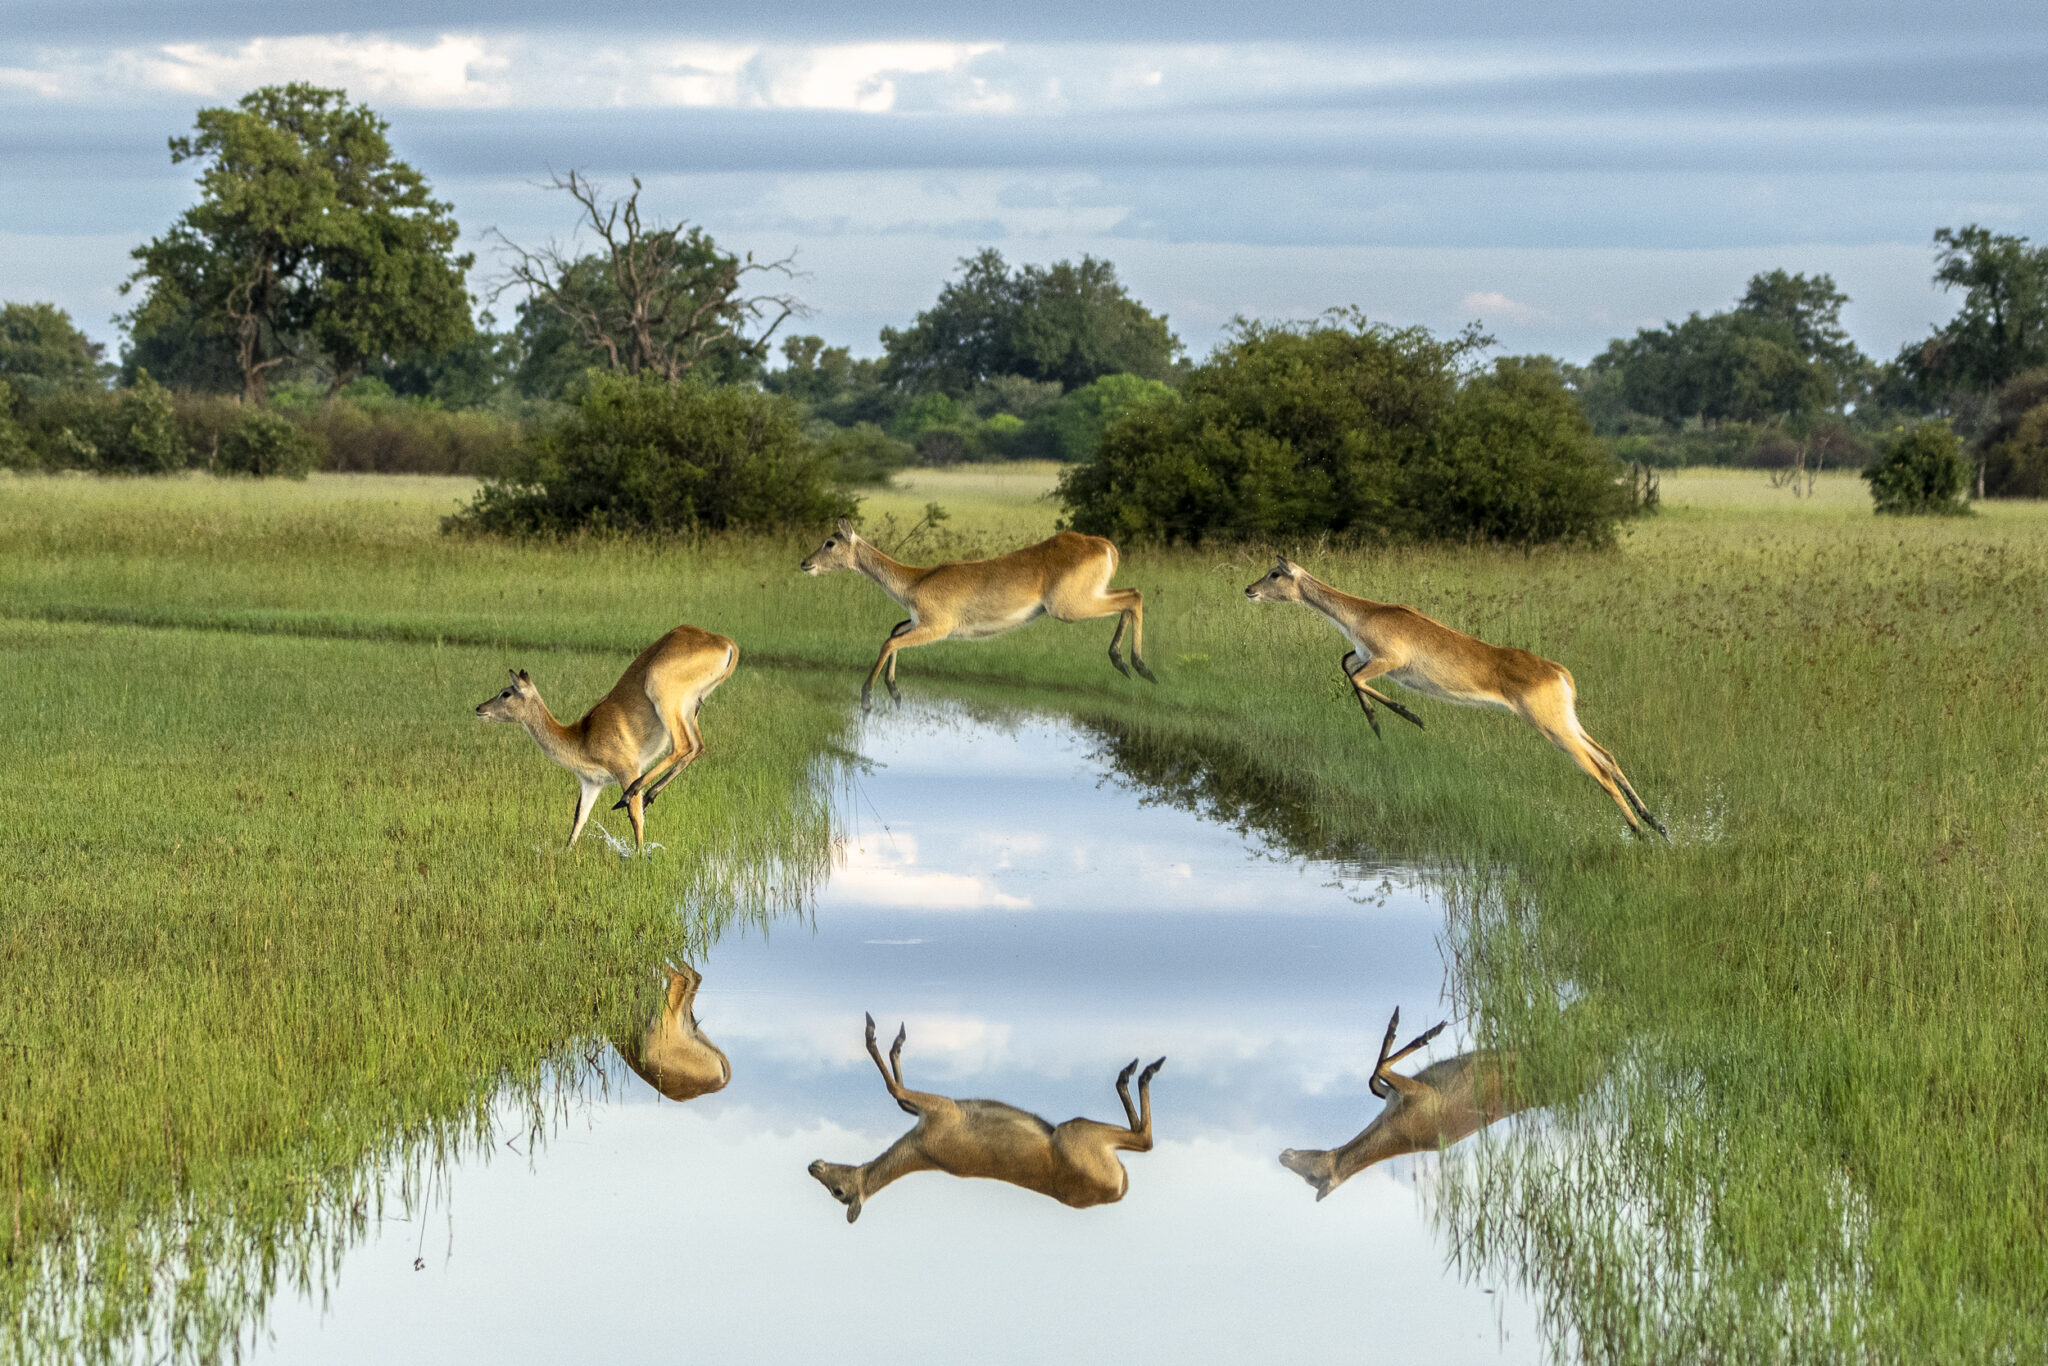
[[279, 901]]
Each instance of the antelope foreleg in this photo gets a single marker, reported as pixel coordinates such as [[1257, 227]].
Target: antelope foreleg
[[1367, 694], [586, 798], [899, 639]]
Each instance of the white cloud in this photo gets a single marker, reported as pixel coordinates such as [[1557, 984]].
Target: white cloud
[[450, 71], [1493, 306], [883, 872]]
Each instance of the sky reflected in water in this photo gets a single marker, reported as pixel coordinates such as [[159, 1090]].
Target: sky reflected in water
[[1036, 924]]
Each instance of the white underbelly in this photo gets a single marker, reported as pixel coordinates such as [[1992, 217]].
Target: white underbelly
[[995, 626], [1411, 677]]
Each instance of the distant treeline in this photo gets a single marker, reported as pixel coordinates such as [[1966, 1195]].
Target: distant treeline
[[308, 311]]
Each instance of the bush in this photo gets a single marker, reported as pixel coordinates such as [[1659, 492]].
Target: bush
[[1354, 430], [1516, 461], [638, 455], [1921, 472], [141, 434], [266, 445]]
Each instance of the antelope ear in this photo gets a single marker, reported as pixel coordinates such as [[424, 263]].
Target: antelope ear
[[523, 678], [515, 674], [846, 530], [853, 1209], [1287, 567]]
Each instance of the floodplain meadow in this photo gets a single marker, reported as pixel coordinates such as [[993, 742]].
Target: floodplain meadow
[[281, 913]]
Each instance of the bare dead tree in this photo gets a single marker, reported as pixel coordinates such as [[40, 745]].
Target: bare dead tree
[[659, 297]]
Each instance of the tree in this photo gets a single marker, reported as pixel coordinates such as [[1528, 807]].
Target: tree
[[1069, 323], [41, 351], [309, 239], [659, 299], [2002, 327], [1779, 356]]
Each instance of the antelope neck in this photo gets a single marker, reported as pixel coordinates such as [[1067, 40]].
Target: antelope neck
[[1321, 596], [559, 742], [895, 579], [1376, 1144], [903, 1157]]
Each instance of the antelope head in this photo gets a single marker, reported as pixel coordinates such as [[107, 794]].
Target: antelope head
[[836, 553], [1317, 1166], [1282, 585], [516, 703], [844, 1183]]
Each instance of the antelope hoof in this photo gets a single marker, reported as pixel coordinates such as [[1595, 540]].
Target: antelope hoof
[[894, 696], [1117, 660], [1145, 1077], [1406, 715], [1370, 719], [1123, 1078], [1143, 672]]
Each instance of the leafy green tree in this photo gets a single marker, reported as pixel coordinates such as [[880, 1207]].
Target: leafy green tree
[[1069, 323], [41, 351], [661, 299], [308, 237], [637, 454], [1353, 429], [15, 451], [1920, 472], [2013, 451], [1779, 356], [466, 375], [2002, 326]]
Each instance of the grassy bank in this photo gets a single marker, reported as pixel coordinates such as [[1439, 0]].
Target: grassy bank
[[256, 806]]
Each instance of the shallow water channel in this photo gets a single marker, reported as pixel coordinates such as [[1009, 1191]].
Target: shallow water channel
[[1036, 922]]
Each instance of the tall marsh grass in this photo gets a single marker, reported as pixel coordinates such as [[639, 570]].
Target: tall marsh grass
[[278, 900]]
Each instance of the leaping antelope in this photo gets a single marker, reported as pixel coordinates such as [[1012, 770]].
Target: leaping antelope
[[671, 1054], [1428, 656], [1066, 577], [1075, 1163], [651, 708], [1443, 1103]]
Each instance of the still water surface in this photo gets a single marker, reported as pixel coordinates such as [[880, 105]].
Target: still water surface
[[1036, 923]]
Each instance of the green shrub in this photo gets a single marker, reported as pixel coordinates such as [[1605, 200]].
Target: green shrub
[[141, 435], [267, 445], [1516, 462], [1354, 430], [639, 455], [1077, 423], [1921, 471]]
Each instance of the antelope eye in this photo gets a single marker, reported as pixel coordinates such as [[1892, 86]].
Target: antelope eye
[[828, 545]]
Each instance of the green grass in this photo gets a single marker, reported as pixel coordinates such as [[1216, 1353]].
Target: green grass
[[284, 908]]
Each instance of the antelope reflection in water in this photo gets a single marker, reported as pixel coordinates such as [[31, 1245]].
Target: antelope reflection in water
[[1443, 1103], [1075, 1163], [671, 1054]]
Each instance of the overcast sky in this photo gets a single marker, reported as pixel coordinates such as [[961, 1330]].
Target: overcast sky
[[1561, 172]]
